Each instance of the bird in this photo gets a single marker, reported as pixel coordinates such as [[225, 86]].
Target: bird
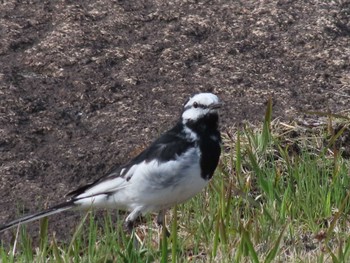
[[173, 169]]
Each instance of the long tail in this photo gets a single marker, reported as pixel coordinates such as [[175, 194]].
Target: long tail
[[51, 211]]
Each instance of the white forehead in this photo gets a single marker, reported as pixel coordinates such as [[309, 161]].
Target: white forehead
[[204, 99]]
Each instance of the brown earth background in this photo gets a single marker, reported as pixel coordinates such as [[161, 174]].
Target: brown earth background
[[85, 84]]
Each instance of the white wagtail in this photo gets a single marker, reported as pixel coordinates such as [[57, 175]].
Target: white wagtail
[[174, 168]]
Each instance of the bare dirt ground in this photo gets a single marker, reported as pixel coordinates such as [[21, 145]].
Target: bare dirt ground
[[85, 84]]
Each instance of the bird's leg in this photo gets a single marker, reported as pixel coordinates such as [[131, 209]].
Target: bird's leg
[[130, 220], [129, 225], [161, 221]]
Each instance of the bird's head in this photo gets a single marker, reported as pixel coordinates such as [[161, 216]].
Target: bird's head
[[200, 106]]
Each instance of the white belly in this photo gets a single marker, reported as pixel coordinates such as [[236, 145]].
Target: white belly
[[155, 186]]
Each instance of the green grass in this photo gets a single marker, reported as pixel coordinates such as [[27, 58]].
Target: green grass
[[280, 194]]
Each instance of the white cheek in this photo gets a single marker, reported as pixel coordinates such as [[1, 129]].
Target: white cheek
[[193, 114]]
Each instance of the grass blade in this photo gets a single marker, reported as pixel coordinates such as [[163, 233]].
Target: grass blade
[[174, 236], [273, 252]]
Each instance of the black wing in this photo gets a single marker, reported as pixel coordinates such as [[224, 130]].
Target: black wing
[[167, 147]]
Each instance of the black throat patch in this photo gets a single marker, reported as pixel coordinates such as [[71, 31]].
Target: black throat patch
[[209, 142]]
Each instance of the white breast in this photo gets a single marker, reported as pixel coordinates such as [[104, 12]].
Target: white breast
[[156, 186]]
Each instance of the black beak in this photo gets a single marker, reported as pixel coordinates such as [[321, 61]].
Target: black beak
[[216, 105]]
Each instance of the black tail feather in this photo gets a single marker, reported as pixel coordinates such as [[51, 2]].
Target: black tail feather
[[26, 219]]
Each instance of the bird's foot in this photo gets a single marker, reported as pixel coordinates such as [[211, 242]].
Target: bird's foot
[[161, 222], [129, 226]]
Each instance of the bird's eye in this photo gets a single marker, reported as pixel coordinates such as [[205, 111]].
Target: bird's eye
[[195, 104]]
